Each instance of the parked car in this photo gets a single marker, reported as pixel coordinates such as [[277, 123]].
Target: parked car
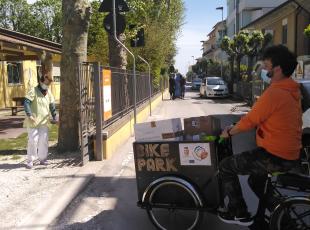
[[213, 87], [196, 83]]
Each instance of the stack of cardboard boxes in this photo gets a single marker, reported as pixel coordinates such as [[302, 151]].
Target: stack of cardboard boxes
[[171, 129]]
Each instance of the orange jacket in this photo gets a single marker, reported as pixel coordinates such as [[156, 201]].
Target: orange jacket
[[278, 118]]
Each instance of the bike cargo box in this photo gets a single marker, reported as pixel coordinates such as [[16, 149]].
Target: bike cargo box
[[195, 161]]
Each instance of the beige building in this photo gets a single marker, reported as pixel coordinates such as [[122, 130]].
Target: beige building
[[286, 23], [211, 47], [20, 65]]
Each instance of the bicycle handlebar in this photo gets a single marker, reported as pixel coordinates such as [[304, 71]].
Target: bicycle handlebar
[[218, 139]]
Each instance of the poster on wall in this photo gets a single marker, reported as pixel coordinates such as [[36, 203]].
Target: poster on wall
[[195, 154], [107, 98], [299, 70]]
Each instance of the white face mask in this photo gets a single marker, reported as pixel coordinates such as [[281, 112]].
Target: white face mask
[[264, 76], [43, 86]]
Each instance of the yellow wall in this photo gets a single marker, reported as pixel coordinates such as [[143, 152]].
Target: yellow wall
[[2, 89], [277, 28], [117, 139], [55, 88], [8, 91], [29, 79], [274, 23]]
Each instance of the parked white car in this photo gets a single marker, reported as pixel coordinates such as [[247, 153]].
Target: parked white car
[[213, 87]]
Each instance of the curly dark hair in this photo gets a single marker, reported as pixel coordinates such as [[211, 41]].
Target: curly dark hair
[[280, 55]]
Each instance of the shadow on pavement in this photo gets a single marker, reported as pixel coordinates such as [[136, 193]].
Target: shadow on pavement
[[8, 167], [11, 123], [55, 160], [118, 197]]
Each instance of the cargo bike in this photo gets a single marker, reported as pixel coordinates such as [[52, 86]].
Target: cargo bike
[[178, 182]]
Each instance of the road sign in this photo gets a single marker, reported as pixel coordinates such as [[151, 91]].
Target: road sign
[[138, 40], [120, 23], [120, 5]]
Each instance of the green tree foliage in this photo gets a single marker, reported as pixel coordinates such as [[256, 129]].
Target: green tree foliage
[[201, 67], [214, 69], [254, 46], [47, 19], [97, 47], [15, 15], [190, 75], [307, 31], [240, 42], [245, 44], [161, 21], [41, 19], [227, 46]]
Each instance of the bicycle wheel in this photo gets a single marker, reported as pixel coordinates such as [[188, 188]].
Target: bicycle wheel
[[174, 204], [292, 214]]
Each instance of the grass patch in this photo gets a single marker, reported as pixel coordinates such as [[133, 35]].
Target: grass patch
[[20, 143]]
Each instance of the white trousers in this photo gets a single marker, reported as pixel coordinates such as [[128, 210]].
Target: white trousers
[[37, 143]]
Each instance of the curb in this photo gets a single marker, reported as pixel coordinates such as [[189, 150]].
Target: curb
[[48, 211]]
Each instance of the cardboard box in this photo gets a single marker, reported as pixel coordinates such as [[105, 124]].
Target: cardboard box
[[194, 126], [170, 129]]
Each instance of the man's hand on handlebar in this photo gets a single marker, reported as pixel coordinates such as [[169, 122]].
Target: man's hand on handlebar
[[225, 133], [230, 131]]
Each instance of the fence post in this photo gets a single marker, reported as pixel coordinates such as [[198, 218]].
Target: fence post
[[99, 111]]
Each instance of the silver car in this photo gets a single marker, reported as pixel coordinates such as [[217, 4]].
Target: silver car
[[213, 87], [196, 83]]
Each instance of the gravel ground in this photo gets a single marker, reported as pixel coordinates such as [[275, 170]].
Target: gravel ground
[[23, 190]]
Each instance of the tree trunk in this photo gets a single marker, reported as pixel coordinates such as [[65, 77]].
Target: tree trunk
[[118, 59], [232, 71], [232, 74], [47, 64], [117, 54], [76, 16], [250, 68], [238, 60]]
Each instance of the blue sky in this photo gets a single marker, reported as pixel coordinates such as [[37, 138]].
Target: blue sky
[[200, 17]]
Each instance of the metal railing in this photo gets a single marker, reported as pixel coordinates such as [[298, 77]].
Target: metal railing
[[122, 79], [87, 117], [90, 91]]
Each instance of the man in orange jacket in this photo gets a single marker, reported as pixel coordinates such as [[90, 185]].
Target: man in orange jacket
[[277, 117]]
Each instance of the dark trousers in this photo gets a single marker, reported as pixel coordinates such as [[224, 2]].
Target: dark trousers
[[171, 91], [256, 163]]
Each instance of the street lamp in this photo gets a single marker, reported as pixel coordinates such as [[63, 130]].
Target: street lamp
[[193, 60], [222, 9]]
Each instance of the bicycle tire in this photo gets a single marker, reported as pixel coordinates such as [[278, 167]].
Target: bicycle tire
[[186, 202], [281, 218]]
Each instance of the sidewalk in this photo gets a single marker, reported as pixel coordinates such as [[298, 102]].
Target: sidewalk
[[11, 126], [32, 199]]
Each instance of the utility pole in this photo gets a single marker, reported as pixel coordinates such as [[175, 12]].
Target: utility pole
[[150, 83], [222, 31], [134, 64]]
